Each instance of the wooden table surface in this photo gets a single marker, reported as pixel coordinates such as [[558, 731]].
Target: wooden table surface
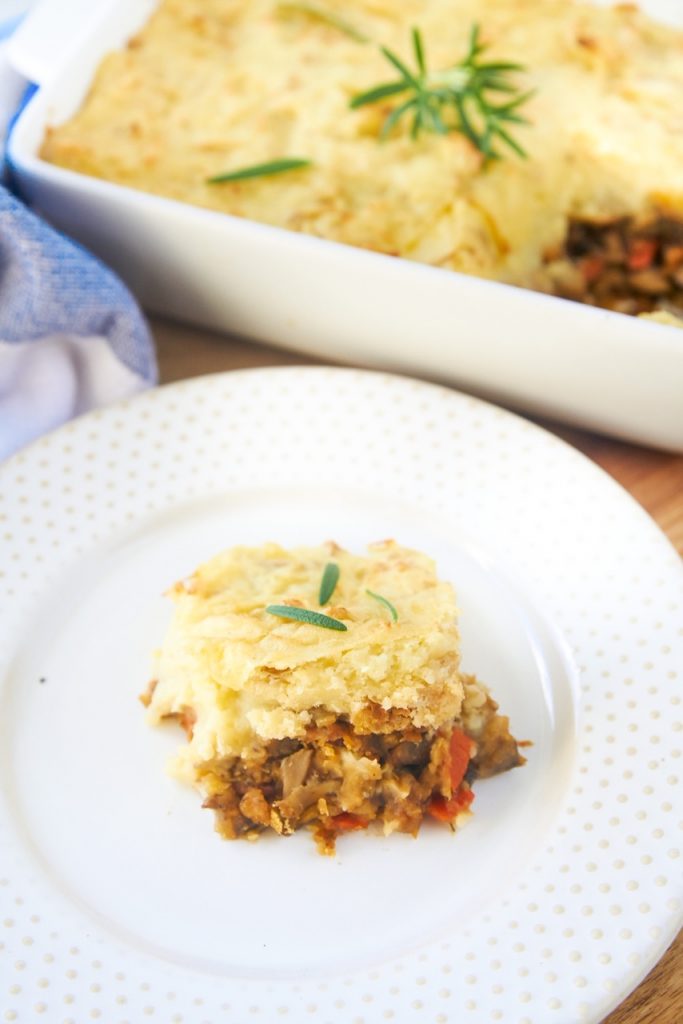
[[655, 479]]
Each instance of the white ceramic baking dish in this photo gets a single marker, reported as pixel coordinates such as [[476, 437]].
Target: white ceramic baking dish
[[587, 366]]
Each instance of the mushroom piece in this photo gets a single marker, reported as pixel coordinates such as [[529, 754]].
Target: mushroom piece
[[303, 797], [294, 770]]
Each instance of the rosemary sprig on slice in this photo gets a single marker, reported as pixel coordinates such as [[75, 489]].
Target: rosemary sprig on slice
[[385, 602], [261, 170], [328, 17], [286, 611], [457, 99], [328, 582]]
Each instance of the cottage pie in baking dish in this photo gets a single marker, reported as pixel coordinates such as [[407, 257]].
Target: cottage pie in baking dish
[[388, 133], [323, 689]]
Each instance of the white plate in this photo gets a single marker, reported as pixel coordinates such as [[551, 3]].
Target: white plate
[[117, 897]]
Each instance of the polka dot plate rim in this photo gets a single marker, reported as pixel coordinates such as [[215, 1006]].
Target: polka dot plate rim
[[115, 909]]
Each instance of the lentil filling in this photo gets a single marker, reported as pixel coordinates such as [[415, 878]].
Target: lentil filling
[[629, 265], [339, 778]]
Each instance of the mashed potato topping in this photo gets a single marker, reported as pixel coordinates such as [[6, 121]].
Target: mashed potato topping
[[214, 85], [251, 675]]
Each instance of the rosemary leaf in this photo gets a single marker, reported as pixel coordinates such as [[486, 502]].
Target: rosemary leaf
[[418, 47], [509, 141], [261, 170], [503, 65], [328, 582], [394, 117], [513, 104], [380, 92], [459, 98], [475, 46], [328, 17], [400, 66], [385, 602], [286, 611]]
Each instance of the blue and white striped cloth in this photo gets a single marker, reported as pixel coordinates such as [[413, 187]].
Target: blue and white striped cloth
[[72, 337]]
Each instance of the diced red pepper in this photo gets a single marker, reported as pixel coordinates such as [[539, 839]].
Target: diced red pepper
[[461, 749], [641, 253], [447, 810], [345, 822]]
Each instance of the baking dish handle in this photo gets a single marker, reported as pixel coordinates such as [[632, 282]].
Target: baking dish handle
[[49, 30]]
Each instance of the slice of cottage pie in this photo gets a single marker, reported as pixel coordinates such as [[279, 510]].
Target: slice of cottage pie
[[323, 689]]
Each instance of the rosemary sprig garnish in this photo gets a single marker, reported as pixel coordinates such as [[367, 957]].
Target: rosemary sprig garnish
[[328, 582], [328, 17], [457, 99], [385, 602], [261, 170], [286, 611]]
